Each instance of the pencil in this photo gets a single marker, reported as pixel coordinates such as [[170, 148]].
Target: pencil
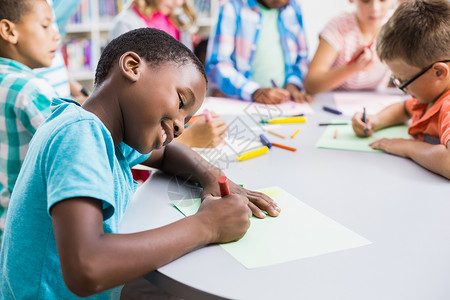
[[295, 133], [276, 133], [364, 119], [332, 124], [284, 147]]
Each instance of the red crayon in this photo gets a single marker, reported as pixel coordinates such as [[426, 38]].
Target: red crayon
[[284, 147], [354, 58], [223, 185]]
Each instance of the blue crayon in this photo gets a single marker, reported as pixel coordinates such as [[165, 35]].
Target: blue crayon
[[265, 141], [332, 110]]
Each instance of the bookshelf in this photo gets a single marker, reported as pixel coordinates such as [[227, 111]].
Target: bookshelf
[[87, 34]]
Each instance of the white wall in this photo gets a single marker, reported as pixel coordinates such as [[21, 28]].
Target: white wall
[[316, 14]]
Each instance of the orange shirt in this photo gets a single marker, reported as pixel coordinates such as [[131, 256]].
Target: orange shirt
[[432, 125]]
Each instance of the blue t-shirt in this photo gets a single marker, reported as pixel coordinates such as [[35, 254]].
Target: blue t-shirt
[[72, 154]]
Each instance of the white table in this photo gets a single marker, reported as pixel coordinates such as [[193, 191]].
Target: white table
[[398, 205]]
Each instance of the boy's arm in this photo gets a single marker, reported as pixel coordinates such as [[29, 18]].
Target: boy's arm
[[435, 158], [180, 160], [394, 114], [220, 63], [93, 261]]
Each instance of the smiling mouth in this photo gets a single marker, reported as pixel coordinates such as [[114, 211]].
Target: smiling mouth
[[166, 135]]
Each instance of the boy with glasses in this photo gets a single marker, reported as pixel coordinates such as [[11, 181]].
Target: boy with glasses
[[415, 44]]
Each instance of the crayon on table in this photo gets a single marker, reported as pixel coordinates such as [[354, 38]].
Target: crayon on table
[[298, 119], [295, 133], [223, 185], [276, 133], [265, 141], [284, 147], [335, 134], [207, 115], [331, 110], [253, 153], [364, 119]]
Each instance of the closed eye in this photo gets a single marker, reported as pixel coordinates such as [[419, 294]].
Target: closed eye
[[180, 102]]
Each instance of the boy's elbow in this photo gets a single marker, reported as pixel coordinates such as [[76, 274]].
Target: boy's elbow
[[81, 277]]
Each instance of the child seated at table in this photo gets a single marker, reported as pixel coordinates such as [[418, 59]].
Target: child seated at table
[[345, 58], [24, 96], [415, 44], [61, 236], [257, 51]]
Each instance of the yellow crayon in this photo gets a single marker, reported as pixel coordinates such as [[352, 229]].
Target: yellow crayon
[[295, 133], [253, 153], [298, 119]]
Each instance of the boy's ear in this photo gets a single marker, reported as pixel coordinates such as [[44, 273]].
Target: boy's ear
[[8, 31], [130, 64], [441, 70]]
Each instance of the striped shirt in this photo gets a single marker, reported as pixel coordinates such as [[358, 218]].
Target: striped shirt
[[24, 104], [344, 35], [233, 41]]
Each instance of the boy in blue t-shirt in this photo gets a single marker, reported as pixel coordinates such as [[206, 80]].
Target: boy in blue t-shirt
[[76, 182], [27, 41]]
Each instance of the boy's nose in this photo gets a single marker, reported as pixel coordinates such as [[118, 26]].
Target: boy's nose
[[178, 127], [56, 36]]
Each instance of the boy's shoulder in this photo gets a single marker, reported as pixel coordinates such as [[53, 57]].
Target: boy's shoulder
[[20, 83]]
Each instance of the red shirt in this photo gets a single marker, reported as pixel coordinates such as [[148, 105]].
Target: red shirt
[[432, 125]]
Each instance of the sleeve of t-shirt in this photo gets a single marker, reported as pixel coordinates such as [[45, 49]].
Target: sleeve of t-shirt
[[79, 163], [332, 33], [445, 123]]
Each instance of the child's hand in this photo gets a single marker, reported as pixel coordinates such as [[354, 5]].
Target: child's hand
[[359, 126], [202, 134], [259, 202], [364, 61], [271, 95], [394, 146], [297, 95], [226, 218]]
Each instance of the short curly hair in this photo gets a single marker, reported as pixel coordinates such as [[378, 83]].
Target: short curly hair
[[155, 46], [418, 33], [14, 10]]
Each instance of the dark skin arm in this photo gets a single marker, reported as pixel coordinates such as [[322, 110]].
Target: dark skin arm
[[177, 159], [93, 261]]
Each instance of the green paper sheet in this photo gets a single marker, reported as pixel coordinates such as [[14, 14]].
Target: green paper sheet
[[298, 232], [347, 140]]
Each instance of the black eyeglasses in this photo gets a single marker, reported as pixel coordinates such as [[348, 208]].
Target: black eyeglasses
[[398, 83]]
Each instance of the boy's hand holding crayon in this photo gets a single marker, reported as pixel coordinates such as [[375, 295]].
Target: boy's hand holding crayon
[[228, 218], [360, 128]]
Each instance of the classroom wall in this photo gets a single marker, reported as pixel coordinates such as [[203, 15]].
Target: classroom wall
[[316, 14]]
